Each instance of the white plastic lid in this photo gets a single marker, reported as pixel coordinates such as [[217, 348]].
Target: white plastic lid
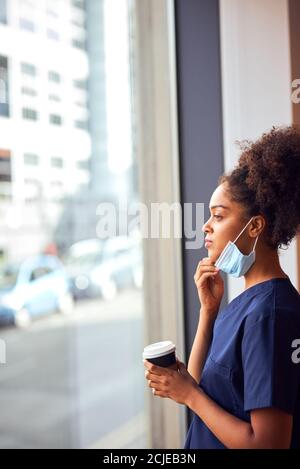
[[158, 349]]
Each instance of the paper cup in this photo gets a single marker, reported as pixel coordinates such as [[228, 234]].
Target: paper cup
[[161, 354]]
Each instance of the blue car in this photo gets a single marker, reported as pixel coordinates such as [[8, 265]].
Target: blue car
[[33, 288]]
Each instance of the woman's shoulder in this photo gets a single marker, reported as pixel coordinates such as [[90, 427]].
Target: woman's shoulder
[[276, 300]]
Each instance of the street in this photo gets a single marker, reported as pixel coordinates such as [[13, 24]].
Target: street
[[76, 381]]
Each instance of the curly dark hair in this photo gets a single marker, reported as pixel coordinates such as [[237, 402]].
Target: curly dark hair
[[266, 180]]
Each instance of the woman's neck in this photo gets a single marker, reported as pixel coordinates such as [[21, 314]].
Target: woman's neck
[[265, 267]]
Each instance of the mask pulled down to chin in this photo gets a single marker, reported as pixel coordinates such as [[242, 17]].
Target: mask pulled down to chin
[[232, 261]]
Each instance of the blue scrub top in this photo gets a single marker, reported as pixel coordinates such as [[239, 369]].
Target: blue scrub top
[[249, 364]]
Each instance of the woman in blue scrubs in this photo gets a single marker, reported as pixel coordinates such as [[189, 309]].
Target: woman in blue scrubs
[[243, 376]]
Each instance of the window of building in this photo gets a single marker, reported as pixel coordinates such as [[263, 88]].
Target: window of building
[[28, 69], [80, 23], [56, 191], [55, 119], [51, 34], [31, 159], [54, 97], [79, 4], [79, 44], [81, 104], [5, 191], [83, 164], [33, 189], [54, 77], [29, 114], [80, 84], [27, 25], [80, 124], [3, 12], [57, 162], [28, 91], [4, 87]]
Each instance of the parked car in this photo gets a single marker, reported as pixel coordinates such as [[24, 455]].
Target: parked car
[[33, 288], [81, 258], [102, 268]]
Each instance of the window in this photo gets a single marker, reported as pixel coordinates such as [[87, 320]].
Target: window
[[4, 88], [80, 23], [51, 34], [57, 175], [5, 191], [57, 162], [29, 114], [28, 91], [27, 25], [33, 189], [79, 124], [79, 44], [83, 164], [54, 97], [28, 69], [39, 272], [80, 84], [54, 77], [3, 12], [82, 104], [55, 119], [79, 4], [57, 191], [31, 159]]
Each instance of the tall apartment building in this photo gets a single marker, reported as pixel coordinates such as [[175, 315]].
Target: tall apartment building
[[65, 118], [45, 145]]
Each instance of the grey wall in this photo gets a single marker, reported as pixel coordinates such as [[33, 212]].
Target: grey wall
[[200, 125]]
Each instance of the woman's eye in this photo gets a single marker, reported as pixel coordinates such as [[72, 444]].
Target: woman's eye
[[218, 217]]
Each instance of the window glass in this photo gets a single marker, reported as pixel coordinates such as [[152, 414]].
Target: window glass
[[71, 299]]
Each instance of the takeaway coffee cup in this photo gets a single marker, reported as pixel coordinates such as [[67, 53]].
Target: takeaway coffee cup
[[161, 354]]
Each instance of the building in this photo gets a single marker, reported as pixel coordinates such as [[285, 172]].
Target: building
[[45, 144]]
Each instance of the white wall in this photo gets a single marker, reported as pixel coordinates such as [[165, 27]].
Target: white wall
[[256, 84]]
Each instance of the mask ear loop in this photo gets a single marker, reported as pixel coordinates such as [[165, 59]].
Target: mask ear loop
[[242, 230], [255, 242]]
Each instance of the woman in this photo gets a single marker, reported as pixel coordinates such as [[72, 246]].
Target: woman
[[243, 375]]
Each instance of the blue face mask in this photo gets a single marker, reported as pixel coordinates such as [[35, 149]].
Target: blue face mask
[[233, 261]]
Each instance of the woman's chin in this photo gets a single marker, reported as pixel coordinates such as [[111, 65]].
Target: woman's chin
[[212, 254]]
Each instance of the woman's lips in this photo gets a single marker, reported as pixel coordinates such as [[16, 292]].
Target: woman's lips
[[208, 243]]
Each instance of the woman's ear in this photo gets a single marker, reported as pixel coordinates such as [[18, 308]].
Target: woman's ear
[[257, 226]]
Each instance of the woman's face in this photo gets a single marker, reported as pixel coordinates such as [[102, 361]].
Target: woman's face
[[227, 219]]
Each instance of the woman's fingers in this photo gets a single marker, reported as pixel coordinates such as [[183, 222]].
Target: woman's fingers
[[206, 261], [204, 277], [204, 269]]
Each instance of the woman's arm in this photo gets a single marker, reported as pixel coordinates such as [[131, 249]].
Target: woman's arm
[[200, 345], [270, 428], [210, 287]]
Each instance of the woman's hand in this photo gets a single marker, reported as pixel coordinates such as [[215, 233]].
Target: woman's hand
[[166, 382], [210, 286]]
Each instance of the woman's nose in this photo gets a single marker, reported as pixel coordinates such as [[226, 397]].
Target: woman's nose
[[206, 228]]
